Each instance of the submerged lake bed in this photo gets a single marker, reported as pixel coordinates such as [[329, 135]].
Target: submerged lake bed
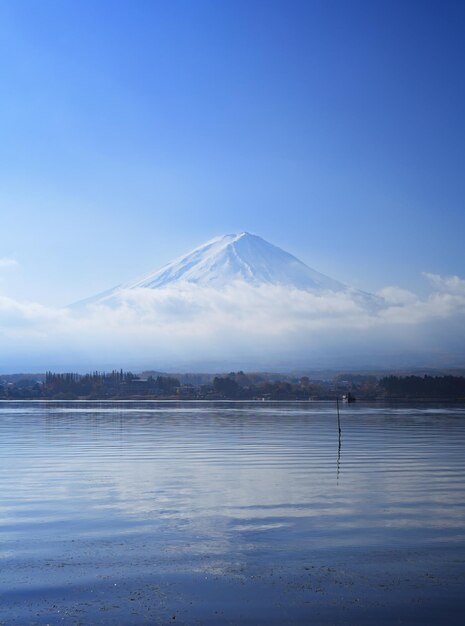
[[231, 513]]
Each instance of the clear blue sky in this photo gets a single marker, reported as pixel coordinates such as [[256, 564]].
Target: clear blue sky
[[132, 131]]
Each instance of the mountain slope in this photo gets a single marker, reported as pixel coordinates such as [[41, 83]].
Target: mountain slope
[[227, 259], [237, 257]]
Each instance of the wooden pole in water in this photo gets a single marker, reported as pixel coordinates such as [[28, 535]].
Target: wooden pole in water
[[338, 440]]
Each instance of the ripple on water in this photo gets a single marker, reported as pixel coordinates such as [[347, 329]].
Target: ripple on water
[[132, 491]]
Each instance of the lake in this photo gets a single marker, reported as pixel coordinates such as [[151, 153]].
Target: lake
[[231, 513]]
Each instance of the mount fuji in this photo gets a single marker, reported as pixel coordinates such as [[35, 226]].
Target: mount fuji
[[230, 259]]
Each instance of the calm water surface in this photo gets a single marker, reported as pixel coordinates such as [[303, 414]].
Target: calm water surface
[[231, 513]]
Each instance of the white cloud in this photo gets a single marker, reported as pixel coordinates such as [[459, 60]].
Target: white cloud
[[266, 323], [6, 263], [397, 296], [447, 284]]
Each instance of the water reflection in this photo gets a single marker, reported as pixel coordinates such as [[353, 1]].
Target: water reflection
[[147, 491]]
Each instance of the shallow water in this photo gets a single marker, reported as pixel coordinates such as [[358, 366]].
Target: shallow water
[[231, 513]]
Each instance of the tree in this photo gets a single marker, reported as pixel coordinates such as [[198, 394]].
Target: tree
[[226, 387]]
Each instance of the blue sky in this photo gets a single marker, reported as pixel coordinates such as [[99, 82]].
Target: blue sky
[[134, 131]]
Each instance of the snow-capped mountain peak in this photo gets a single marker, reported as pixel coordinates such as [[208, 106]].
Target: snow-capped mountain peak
[[233, 257], [229, 259]]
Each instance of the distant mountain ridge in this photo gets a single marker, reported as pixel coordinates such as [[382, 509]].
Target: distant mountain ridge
[[229, 258]]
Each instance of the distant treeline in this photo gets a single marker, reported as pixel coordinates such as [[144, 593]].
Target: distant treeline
[[427, 387], [238, 387], [119, 384], [106, 385]]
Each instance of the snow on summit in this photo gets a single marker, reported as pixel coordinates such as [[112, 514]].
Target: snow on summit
[[228, 259], [241, 256]]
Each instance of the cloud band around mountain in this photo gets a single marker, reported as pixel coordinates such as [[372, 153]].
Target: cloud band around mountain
[[190, 323]]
